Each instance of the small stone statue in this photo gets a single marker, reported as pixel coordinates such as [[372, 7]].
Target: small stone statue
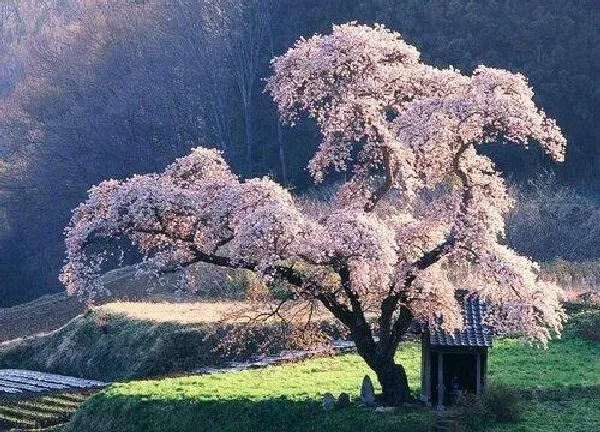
[[344, 400], [328, 402], [367, 392]]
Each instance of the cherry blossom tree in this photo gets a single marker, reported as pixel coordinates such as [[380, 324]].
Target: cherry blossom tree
[[421, 215]]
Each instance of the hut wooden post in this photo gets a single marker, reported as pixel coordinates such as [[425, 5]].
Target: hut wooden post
[[426, 391], [440, 380], [478, 384]]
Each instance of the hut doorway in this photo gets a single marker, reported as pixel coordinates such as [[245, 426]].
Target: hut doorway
[[461, 370], [458, 372]]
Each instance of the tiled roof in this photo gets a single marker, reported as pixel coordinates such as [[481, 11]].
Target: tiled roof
[[474, 333]]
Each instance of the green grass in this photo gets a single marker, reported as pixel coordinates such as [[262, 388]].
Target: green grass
[[287, 397], [296, 381], [567, 362], [280, 398], [572, 415]]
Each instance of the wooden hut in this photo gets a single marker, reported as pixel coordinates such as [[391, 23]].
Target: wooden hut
[[457, 361]]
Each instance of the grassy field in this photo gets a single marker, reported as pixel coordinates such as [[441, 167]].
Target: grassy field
[[565, 377], [193, 312], [200, 312], [281, 398], [566, 363]]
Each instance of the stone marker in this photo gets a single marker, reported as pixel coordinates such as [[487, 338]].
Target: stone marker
[[383, 409], [328, 402], [367, 392], [344, 400]]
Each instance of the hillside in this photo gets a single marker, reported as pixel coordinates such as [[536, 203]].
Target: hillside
[[51, 312], [40, 316]]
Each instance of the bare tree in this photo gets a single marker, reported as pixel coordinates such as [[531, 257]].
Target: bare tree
[[242, 31]]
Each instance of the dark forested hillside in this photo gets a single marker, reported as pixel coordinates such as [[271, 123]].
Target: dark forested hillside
[[107, 88]]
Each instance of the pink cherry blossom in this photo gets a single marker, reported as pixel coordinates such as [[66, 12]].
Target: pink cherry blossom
[[421, 215]]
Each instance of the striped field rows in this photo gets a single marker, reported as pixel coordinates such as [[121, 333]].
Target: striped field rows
[[40, 412]]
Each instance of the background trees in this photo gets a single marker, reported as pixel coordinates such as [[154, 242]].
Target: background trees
[[106, 88]]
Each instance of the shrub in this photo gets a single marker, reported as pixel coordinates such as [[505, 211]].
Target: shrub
[[550, 221], [502, 403], [580, 279], [587, 325], [498, 403], [471, 412]]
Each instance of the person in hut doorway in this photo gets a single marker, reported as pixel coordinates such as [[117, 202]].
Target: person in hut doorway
[[455, 386]]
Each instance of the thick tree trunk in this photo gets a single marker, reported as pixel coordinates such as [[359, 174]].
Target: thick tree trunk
[[380, 358], [379, 355], [394, 383]]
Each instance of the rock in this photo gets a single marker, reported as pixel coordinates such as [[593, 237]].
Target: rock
[[367, 392], [328, 402], [344, 400], [383, 409]]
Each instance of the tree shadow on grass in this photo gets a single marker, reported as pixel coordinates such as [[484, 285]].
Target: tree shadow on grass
[[118, 413], [166, 413]]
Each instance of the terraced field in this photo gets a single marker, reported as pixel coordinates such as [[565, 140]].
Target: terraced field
[[40, 412], [33, 400]]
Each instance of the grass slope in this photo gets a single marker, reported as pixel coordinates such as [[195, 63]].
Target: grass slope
[[288, 397], [120, 348]]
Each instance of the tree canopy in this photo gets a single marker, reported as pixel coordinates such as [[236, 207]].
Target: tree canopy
[[420, 215]]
